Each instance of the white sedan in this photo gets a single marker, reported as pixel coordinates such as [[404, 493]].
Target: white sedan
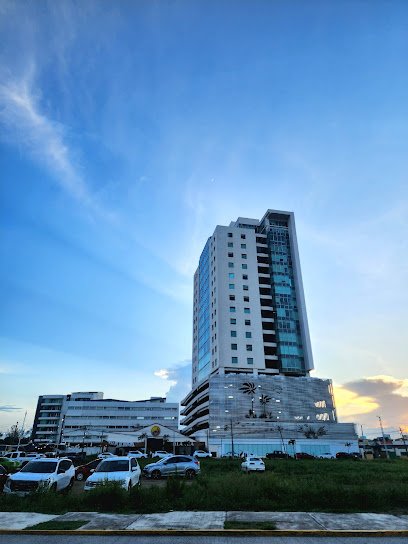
[[253, 464], [201, 453], [125, 471], [137, 454], [161, 454], [326, 456]]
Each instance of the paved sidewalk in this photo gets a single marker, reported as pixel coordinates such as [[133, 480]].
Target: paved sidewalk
[[212, 520]]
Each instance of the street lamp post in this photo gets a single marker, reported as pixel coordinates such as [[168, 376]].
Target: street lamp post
[[385, 445]]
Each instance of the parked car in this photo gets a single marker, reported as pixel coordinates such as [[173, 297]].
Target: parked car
[[278, 455], [52, 474], [125, 471], [326, 456], [105, 455], [161, 454], [229, 454], [173, 465], [347, 455], [84, 471], [201, 453], [21, 457], [9, 464], [137, 454], [253, 464], [3, 477], [303, 455]]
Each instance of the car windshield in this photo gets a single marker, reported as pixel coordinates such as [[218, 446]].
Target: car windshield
[[40, 468], [255, 459], [113, 466]]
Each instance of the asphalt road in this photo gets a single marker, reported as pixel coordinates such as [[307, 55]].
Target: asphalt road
[[131, 539]]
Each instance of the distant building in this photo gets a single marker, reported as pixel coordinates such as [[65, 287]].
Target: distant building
[[89, 417]]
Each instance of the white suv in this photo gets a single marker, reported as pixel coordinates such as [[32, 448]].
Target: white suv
[[51, 474], [124, 471]]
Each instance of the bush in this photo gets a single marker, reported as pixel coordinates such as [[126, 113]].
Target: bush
[[110, 497]]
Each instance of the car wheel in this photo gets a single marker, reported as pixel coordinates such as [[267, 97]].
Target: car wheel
[[156, 474], [190, 474], [80, 476]]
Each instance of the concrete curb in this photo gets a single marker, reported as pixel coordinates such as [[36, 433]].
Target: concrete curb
[[210, 532]]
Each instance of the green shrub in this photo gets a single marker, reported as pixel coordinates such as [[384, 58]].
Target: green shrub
[[110, 497]]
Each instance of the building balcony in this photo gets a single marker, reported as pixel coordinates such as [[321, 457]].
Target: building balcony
[[201, 401], [202, 415]]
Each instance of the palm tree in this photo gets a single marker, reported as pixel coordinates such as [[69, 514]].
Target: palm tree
[[264, 400], [165, 439], [144, 437], [249, 388]]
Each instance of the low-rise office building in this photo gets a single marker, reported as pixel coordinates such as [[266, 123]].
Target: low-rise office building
[[61, 418]]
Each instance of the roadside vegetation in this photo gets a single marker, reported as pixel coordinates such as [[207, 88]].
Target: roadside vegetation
[[287, 485]]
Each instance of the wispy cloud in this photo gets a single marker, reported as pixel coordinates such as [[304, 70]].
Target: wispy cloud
[[27, 126], [9, 408]]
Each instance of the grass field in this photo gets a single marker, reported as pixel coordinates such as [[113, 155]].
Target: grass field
[[287, 485]]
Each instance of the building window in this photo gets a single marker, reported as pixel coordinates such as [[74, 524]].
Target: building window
[[244, 255], [231, 275], [243, 236], [230, 244], [232, 297], [247, 310], [245, 287], [250, 360], [230, 235], [233, 321], [246, 299], [244, 266], [230, 265], [244, 276], [234, 333], [230, 255], [234, 360], [243, 246], [232, 309], [234, 347], [249, 347], [231, 286], [248, 335], [247, 321]]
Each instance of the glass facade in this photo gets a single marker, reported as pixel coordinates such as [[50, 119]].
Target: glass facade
[[283, 290], [203, 335]]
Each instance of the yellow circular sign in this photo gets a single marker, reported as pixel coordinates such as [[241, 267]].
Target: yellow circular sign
[[155, 430]]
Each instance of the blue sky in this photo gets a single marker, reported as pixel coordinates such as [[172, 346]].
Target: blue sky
[[130, 129]]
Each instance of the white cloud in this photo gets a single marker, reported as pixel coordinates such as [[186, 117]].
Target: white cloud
[[179, 378]]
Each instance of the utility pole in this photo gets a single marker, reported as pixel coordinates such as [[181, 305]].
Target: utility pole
[[403, 439], [385, 445], [22, 431]]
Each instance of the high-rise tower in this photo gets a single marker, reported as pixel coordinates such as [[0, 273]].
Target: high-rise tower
[[249, 307], [250, 332]]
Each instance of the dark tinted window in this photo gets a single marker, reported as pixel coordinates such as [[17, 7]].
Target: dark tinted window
[[183, 460], [65, 465]]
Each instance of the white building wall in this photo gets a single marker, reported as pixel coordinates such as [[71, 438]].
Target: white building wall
[[223, 302]]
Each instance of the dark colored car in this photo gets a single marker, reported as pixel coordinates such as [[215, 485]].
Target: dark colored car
[[3, 477], [302, 455], [278, 455], [84, 471], [346, 455]]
